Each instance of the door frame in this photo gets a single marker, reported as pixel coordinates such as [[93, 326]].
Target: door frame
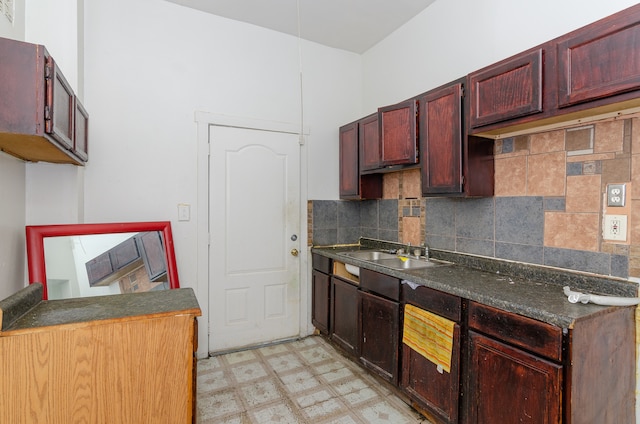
[[205, 121]]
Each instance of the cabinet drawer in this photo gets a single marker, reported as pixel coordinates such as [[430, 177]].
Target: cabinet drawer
[[440, 303], [384, 285], [527, 333], [321, 263]]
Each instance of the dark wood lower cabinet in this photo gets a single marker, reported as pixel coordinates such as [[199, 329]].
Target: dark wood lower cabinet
[[321, 286], [345, 310], [435, 394], [508, 385], [380, 335]]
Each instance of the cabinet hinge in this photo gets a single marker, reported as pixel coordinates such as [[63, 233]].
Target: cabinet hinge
[[461, 91], [47, 70]]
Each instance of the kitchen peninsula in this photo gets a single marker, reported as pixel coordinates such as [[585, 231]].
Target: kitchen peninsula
[[120, 358]]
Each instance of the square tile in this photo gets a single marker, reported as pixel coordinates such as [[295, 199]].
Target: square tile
[[244, 373], [260, 393], [284, 363], [218, 404], [280, 413], [299, 381]]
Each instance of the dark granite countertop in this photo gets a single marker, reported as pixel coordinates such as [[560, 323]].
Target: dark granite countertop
[[532, 291], [46, 313]]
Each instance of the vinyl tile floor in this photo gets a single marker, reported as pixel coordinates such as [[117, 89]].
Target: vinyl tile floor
[[302, 381]]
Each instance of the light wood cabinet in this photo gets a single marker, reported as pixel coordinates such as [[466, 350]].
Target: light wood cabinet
[[121, 359]]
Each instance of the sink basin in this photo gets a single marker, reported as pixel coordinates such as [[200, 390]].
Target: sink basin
[[407, 263], [390, 260], [369, 255]]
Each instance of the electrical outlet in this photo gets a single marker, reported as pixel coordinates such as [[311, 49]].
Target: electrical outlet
[[615, 227], [615, 194]]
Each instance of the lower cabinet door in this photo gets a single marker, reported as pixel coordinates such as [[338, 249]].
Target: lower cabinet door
[[380, 334], [345, 312], [320, 284], [435, 393], [508, 385]]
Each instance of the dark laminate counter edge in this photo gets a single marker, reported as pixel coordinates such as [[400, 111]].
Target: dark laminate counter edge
[[530, 297], [49, 313]]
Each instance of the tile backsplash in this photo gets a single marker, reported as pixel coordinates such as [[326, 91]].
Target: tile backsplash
[[548, 208]]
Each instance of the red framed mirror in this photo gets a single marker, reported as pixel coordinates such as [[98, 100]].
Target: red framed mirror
[[79, 260]]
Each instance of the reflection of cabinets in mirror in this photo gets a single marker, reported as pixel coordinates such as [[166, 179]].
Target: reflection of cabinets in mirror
[[41, 119], [142, 249]]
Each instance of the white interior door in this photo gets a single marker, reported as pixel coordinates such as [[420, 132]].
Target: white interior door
[[254, 287]]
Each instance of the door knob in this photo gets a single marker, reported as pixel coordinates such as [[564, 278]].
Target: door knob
[[294, 252]]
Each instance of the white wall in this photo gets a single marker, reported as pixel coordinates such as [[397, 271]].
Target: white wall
[[145, 80], [452, 38], [12, 192]]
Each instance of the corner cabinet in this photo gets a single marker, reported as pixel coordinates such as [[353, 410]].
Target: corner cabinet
[[41, 119]]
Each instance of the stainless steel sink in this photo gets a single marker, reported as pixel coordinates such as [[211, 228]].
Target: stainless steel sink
[[390, 260], [408, 263], [369, 255]]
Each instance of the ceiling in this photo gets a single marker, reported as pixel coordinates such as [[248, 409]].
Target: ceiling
[[352, 25]]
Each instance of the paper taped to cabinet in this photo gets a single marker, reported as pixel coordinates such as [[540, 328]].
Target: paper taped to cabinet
[[429, 335]]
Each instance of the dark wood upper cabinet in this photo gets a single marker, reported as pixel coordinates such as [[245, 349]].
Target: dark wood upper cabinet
[[152, 251], [349, 173], [452, 163], [38, 108], [354, 185], [508, 89], [81, 134], [398, 133], [59, 106], [441, 140], [600, 60], [369, 134]]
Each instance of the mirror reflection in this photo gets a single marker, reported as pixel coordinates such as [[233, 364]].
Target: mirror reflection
[[101, 264], [79, 260]]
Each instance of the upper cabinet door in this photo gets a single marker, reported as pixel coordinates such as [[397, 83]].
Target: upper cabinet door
[[600, 60], [59, 106], [398, 133], [441, 140], [508, 89], [81, 132], [369, 143], [349, 173]]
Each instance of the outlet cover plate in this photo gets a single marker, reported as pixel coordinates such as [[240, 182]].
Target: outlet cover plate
[[616, 194], [615, 227]]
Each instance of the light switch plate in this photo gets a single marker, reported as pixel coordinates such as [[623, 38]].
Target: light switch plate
[[616, 194]]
